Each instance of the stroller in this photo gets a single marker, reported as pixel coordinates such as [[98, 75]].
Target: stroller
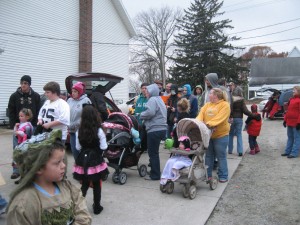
[[122, 151], [199, 135]]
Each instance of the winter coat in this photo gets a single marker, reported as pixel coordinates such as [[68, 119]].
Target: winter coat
[[172, 103], [155, 115], [254, 126], [292, 115], [140, 106], [75, 111], [239, 108], [19, 100], [193, 101]]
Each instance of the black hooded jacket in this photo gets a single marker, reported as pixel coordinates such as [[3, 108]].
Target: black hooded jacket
[[172, 103], [19, 100]]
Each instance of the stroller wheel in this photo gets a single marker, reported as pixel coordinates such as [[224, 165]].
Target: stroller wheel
[[192, 191], [162, 188], [185, 191], [213, 183], [142, 170], [170, 187], [122, 178], [115, 177]]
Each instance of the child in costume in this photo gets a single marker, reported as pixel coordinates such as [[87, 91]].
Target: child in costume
[[183, 108], [55, 113], [44, 196], [90, 166], [177, 162], [22, 131], [253, 130]]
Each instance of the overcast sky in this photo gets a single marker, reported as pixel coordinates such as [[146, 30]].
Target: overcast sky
[[246, 15]]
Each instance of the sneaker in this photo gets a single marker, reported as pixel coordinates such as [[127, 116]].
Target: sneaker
[[222, 180], [240, 154], [252, 152], [284, 154], [14, 176]]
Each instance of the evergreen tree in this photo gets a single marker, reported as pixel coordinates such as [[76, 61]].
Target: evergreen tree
[[202, 45]]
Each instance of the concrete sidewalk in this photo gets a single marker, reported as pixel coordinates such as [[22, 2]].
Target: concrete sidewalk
[[138, 201]]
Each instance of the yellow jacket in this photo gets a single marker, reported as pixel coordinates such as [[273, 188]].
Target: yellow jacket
[[216, 115]]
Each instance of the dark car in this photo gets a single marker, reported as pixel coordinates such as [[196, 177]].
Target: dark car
[[91, 81]]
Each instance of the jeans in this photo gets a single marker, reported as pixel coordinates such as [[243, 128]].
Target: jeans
[[75, 152], [252, 141], [217, 149], [236, 129], [293, 142], [154, 139], [15, 143]]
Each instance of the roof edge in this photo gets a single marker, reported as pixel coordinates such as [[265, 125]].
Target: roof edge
[[124, 17]]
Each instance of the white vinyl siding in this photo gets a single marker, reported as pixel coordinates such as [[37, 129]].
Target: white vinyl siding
[[46, 59], [111, 58]]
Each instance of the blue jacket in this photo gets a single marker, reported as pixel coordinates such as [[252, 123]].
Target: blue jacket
[[193, 101]]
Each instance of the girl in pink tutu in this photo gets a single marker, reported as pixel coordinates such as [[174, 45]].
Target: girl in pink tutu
[[90, 167]]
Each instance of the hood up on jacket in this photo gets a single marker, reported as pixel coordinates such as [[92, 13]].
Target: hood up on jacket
[[189, 89], [200, 87], [153, 90], [213, 79], [174, 88]]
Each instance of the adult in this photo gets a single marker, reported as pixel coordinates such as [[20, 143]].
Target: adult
[[168, 90], [198, 93], [233, 89], [292, 122], [172, 108], [211, 81], [236, 118], [187, 93], [140, 106], [160, 86], [155, 119], [76, 101], [215, 115], [24, 97], [98, 100]]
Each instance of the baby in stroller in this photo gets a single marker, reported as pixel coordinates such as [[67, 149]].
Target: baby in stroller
[[123, 145], [187, 164], [176, 162]]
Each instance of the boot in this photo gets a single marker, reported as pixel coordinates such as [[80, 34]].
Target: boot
[[97, 209], [257, 150], [252, 151]]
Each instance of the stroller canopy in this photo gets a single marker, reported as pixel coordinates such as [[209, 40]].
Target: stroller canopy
[[194, 129]]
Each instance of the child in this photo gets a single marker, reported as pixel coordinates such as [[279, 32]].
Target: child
[[55, 113], [89, 165], [177, 162], [183, 108], [44, 196], [22, 131], [253, 130]]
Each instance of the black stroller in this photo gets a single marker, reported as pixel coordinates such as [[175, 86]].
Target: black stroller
[[122, 151]]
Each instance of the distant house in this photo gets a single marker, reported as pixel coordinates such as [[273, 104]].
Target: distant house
[[294, 53], [278, 73], [50, 40]]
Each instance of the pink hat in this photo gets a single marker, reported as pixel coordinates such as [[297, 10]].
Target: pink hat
[[185, 140], [79, 86]]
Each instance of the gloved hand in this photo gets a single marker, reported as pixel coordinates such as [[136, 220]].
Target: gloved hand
[[284, 123], [298, 126]]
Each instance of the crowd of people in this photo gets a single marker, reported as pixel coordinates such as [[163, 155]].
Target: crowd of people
[[42, 168]]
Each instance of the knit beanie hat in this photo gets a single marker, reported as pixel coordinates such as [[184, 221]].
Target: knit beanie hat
[[79, 86], [185, 140], [26, 78]]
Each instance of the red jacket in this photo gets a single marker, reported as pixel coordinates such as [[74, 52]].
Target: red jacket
[[292, 115], [253, 128]]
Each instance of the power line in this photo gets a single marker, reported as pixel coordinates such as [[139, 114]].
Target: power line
[[253, 6]]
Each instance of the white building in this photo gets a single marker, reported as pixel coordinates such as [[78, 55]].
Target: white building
[[40, 39]]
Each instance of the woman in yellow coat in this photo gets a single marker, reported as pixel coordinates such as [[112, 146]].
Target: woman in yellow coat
[[215, 115]]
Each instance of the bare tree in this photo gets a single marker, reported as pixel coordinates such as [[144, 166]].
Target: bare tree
[[155, 29]]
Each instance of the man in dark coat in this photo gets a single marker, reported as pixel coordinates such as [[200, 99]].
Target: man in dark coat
[[24, 97]]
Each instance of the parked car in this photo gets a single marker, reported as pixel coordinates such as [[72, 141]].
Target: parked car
[[127, 107], [91, 81]]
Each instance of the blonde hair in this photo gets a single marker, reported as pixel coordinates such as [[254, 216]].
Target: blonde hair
[[297, 88], [184, 104], [221, 94], [27, 113]]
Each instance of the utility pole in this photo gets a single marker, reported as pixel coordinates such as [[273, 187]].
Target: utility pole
[[162, 45]]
